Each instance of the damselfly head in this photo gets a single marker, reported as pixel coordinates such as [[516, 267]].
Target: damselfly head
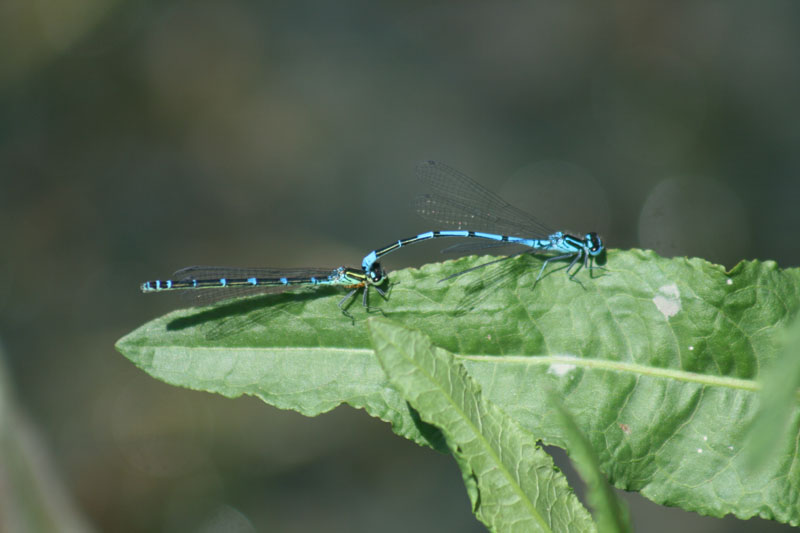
[[376, 273], [593, 243]]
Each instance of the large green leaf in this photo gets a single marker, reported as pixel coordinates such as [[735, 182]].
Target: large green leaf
[[657, 360], [516, 485]]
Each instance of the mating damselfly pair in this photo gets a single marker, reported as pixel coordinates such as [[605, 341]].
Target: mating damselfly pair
[[454, 200]]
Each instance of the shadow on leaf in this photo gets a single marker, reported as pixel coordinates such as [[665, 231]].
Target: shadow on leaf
[[233, 316], [432, 434], [492, 278]]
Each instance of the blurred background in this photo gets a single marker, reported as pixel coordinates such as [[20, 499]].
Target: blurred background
[[140, 137]]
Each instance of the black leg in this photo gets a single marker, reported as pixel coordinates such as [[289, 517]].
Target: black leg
[[592, 266], [575, 260], [382, 293], [370, 309], [549, 259], [342, 306]]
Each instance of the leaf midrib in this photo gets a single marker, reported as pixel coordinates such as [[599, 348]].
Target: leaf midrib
[[620, 366], [539, 360]]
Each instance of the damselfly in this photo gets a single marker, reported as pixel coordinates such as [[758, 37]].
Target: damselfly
[[218, 283], [457, 200]]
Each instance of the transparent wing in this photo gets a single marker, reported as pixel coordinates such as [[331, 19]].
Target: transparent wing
[[216, 272], [477, 245], [457, 200], [501, 273]]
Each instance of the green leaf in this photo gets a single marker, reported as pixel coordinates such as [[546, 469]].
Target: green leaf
[[777, 415], [657, 359], [302, 355], [610, 512], [516, 485]]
